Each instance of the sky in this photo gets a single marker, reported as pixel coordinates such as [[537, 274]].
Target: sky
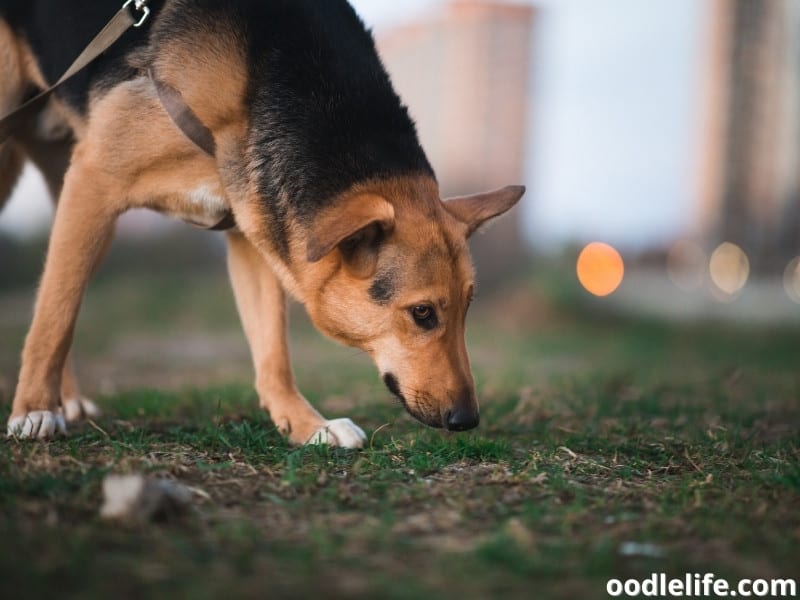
[[384, 13], [613, 134], [615, 94]]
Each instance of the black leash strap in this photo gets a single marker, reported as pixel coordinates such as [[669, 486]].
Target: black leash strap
[[119, 24], [182, 116]]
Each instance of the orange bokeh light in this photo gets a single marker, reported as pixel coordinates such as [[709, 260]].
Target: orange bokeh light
[[600, 269]]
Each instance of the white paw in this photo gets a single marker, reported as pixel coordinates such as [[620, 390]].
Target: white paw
[[40, 424], [75, 408], [339, 432]]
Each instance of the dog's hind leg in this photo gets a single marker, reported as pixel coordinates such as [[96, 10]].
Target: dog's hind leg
[[51, 157], [11, 94], [11, 162], [262, 307], [83, 224], [74, 404]]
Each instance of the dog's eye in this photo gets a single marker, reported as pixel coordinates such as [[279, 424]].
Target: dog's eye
[[424, 316], [422, 313]]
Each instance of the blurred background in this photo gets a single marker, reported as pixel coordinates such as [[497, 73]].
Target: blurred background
[[669, 132], [659, 141], [635, 338]]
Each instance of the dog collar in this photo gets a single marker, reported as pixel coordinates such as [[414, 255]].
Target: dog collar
[[193, 128], [183, 116]]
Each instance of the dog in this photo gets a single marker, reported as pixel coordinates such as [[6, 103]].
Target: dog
[[290, 137]]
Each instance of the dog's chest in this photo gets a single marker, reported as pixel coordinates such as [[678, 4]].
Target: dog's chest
[[203, 206]]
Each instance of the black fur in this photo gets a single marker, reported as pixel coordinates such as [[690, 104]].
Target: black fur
[[394, 386], [58, 31], [383, 287], [323, 113]]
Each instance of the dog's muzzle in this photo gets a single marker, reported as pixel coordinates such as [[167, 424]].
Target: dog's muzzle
[[463, 416]]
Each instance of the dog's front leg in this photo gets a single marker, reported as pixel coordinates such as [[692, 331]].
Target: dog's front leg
[[73, 403], [262, 307], [83, 223]]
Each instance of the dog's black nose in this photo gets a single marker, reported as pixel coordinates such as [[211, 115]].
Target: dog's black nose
[[461, 419]]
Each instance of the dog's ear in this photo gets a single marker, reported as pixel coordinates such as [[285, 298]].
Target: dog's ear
[[475, 210], [355, 226]]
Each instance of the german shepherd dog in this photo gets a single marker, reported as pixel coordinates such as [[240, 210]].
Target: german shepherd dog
[[314, 166]]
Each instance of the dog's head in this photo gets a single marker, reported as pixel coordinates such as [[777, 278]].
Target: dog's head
[[391, 274]]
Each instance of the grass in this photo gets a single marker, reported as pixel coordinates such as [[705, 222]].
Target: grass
[[595, 432]]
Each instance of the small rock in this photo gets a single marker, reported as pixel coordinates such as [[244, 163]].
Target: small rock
[[136, 498], [516, 530]]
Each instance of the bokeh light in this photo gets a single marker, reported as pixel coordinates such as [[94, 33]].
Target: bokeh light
[[687, 264], [600, 269], [729, 270], [791, 280]]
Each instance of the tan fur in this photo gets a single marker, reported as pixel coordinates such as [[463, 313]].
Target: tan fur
[[345, 218], [262, 306], [57, 119], [18, 69], [432, 367], [217, 97], [70, 390], [11, 68], [84, 220], [42, 146], [11, 160], [154, 169], [157, 167]]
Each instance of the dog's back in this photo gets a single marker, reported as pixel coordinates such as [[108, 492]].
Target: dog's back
[[53, 33], [319, 98], [38, 41]]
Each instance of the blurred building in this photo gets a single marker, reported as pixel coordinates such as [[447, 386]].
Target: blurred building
[[749, 190], [463, 70]]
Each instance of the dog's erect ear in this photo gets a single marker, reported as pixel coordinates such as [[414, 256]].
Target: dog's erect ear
[[475, 210], [357, 223]]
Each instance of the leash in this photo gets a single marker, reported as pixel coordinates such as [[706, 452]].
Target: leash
[[119, 24], [133, 13]]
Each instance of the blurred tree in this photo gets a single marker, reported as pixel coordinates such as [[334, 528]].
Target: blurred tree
[[751, 188], [464, 73]]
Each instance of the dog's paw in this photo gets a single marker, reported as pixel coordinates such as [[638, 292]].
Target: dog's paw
[[339, 432], [41, 424], [76, 408]]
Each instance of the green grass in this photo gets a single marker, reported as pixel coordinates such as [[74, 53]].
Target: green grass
[[595, 432]]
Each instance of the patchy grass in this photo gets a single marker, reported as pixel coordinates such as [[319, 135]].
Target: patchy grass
[[595, 433]]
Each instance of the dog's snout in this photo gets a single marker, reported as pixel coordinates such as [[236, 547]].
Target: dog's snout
[[461, 419]]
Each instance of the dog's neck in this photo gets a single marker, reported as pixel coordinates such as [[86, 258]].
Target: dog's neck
[[327, 119]]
